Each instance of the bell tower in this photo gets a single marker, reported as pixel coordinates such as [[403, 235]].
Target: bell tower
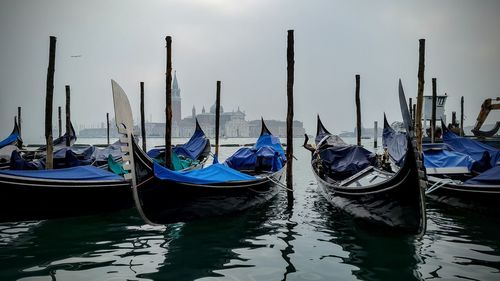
[[176, 100]]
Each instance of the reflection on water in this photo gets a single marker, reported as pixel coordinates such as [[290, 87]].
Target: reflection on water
[[311, 241], [460, 244]]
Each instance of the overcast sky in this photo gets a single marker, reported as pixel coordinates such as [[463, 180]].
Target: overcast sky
[[243, 44]]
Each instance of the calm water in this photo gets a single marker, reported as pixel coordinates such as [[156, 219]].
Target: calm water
[[312, 241]]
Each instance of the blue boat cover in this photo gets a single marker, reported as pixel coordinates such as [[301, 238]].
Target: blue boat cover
[[266, 155], [194, 147], [396, 144], [471, 147], [490, 177], [155, 152], [215, 173], [81, 173], [19, 163], [443, 158], [12, 138], [341, 162], [263, 159], [102, 154], [267, 139]]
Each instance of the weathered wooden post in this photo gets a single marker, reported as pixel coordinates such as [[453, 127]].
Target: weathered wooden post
[[59, 120], [143, 121], [107, 127], [19, 120], [410, 107], [413, 116], [217, 118], [168, 111], [433, 114], [375, 134], [462, 116], [48, 103], [358, 112], [290, 57], [68, 115], [453, 118], [420, 94]]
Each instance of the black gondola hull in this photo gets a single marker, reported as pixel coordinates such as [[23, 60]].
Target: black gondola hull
[[398, 206], [28, 199], [471, 197], [168, 202], [398, 202]]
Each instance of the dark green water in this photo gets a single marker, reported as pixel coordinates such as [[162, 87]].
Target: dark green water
[[313, 241]]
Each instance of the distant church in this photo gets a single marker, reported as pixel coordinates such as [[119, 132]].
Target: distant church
[[232, 123]]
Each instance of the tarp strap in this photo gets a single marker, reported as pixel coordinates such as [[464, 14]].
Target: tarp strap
[[437, 185]]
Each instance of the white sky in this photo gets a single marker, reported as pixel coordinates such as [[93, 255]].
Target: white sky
[[243, 44]]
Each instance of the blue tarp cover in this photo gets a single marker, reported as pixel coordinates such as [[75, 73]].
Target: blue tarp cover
[[9, 140], [194, 147], [82, 173], [264, 158], [442, 158], [396, 144], [471, 147], [267, 154], [344, 161], [215, 173], [490, 177], [154, 152], [272, 141]]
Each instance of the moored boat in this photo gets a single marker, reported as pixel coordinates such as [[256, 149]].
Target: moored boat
[[350, 179], [216, 190]]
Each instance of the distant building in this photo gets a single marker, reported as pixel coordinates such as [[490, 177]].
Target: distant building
[[233, 123]]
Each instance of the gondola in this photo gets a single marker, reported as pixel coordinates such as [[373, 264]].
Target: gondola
[[62, 140], [472, 181], [70, 192], [216, 190], [14, 138], [8, 145], [350, 179]]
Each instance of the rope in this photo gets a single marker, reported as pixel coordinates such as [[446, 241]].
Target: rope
[[437, 185], [279, 184]]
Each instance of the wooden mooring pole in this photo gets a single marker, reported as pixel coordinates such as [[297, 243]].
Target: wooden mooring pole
[[413, 116], [19, 120], [107, 127], [290, 58], [462, 116], [143, 121], [59, 120], [420, 94], [433, 114], [68, 115], [375, 134], [48, 103], [168, 111], [358, 112], [217, 118], [410, 108]]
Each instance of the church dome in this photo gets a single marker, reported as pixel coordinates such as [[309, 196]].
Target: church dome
[[212, 109]]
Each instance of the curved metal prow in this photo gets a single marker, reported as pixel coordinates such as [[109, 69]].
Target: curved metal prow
[[125, 125], [264, 129], [412, 145], [405, 112], [386, 124], [320, 129], [198, 127], [16, 128]]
